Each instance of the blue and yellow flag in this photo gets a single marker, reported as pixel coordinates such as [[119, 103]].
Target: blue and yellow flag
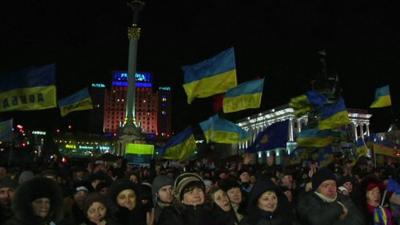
[[244, 96], [382, 97], [6, 132], [316, 99], [334, 115], [307, 102], [361, 148], [181, 146], [28, 89], [325, 156], [315, 138], [77, 102], [219, 130], [213, 76], [274, 136]]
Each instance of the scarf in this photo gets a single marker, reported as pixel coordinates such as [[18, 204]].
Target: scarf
[[324, 198]]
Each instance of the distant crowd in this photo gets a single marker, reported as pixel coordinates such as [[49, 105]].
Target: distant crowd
[[201, 192]]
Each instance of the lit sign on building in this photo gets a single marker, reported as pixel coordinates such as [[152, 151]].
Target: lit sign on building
[[98, 85], [122, 76], [164, 88], [38, 132]]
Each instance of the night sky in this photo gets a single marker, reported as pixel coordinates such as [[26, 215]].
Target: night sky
[[275, 39]]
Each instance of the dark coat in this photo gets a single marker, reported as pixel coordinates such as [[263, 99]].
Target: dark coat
[[312, 210], [123, 216], [255, 216], [36, 188], [179, 214], [221, 217]]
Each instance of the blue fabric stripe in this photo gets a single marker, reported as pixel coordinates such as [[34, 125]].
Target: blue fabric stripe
[[28, 77], [75, 98], [179, 138], [382, 91], [219, 124], [314, 133], [223, 62], [329, 110], [249, 87]]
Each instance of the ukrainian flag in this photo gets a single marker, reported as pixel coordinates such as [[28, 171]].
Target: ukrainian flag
[[300, 105], [244, 96], [361, 148], [334, 115], [181, 146], [382, 97], [77, 102], [213, 76], [315, 138], [28, 89], [219, 130]]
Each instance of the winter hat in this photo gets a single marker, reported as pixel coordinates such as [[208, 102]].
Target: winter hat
[[345, 179], [228, 184], [8, 182], [185, 181], [92, 198], [321, 176], [120, 185], [25, 176], [159, 182]]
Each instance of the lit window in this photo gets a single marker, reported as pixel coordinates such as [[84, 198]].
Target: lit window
[[164, 99], [163, 112], [144, 100]]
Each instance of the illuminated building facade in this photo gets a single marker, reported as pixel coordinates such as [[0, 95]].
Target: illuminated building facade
[[153, 109]]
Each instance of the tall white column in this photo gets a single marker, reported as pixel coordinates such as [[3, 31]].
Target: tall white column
[[291, 130], [355, 131], [362, 131], [367, 127]]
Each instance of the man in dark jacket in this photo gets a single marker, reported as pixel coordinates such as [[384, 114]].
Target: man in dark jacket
[[7, 188], [162, 194], [324, 206]]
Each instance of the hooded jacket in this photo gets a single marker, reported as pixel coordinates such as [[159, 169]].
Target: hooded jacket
[[27, 192], [256, 216]]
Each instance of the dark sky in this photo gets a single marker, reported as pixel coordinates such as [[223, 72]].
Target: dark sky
[[276, 39]]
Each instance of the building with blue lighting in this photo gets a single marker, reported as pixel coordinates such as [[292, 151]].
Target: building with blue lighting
[[152, 108]]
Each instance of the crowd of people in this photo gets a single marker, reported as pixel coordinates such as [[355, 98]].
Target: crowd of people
[[202, 192]]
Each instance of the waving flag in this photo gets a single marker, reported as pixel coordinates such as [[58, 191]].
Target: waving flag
[[334, 115], [274, 136], [213, 76], [382, 97], [244, 96], [315, 138], [28, 89], [219, 130], [181, 146], [77, 102]]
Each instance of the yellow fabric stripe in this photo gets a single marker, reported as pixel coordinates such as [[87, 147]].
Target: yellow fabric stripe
[[181, 151], [315, 141], [384, 150], [24, 99], [234, 104], [335, 121], [222, 137], [84, 104], [209, 86], [382, 101]]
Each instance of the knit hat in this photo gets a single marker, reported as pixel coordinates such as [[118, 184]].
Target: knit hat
[[185, 180], [120, 185], [92, 198], [321, 176], [25, 176], [229, 184], [159, 182], [8, 182]]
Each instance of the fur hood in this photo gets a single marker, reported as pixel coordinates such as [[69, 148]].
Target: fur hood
[[39, 187]]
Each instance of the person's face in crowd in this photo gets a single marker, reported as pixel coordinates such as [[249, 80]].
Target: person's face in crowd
[[194, 197], [80, 197], [223, 176], [245, 177], [41, 207], [253, 179], [328, 189], [96, 212], [268, 201], [287, 181], [127, 199], [289, 195], [3, 171], [165, 194], [235, 195], [349, 186], [221, 199], [134, 179], [6, 195], [374, 196]]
